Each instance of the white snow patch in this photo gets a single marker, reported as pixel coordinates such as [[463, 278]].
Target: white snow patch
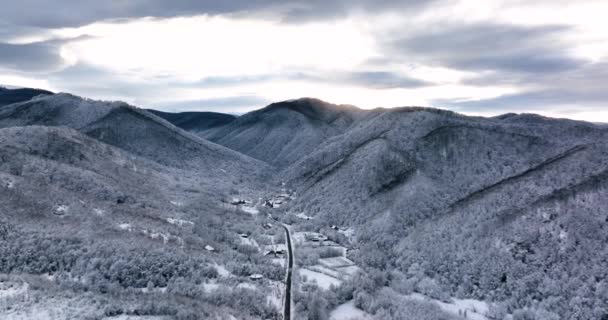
[[61, 209], [323, 281], [11, 289], [222, 271], [177, 203], [474, 309], [125, 226], [279, 261], [181, 223], [336, 262], [348, 311], [302, 215], [250, 210], [246, 285], [126, 317], [349, 233], [208, 287]]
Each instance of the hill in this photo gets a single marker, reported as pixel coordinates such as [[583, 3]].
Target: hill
[[134, 130], [283, 132], [9, 96], [485, 206], [197, 122]]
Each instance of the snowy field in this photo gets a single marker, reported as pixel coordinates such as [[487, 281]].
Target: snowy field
[[322, 280], [348, 311]]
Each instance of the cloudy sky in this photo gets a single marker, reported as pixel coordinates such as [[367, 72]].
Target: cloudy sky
[[476, 57]]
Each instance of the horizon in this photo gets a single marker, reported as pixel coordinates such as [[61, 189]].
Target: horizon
[[238, 114], [487, 59]]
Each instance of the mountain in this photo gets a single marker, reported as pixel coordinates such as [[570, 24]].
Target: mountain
[[485, 206], [508, 210], [283, 132], [9, 96], [197, 122], [134, 130]]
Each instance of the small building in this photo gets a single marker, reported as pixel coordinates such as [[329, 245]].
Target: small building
[[334, 227], [256, 276], [274, 252], [267, 226], [209, 248], [244, 235]]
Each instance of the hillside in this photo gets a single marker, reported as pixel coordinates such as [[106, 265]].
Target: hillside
[[134, 130], [197, 122], [482, 205], [283, 132], [92, 229], [507, 210], [9, 96]]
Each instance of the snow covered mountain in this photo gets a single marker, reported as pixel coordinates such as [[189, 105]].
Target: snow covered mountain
[[509, 210]]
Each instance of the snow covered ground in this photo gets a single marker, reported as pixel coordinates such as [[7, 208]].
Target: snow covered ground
[[474, 309], [322, 280], [348, 311]]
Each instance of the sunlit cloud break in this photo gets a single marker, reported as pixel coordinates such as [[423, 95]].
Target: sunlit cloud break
[[477, 58]]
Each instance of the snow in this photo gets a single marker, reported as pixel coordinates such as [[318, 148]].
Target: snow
[[475, 309], [222, 271], [11, 289], [249, 241], [348, 232], [250, 210], [323, 281], [125, 226], [61, 209], [303, 216], [157, 235], [246, 285], [126, 317], [279, 261], [348, 311], [336, 262], [208, 287], [179, 222]]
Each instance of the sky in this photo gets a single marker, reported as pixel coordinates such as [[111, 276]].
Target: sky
[[475, 57]]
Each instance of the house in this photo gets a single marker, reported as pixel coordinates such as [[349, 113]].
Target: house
[[274, 252], [256, 276], [334, 227], [209, 248], [267, 226]]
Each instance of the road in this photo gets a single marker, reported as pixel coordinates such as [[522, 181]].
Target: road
[[287, 312]]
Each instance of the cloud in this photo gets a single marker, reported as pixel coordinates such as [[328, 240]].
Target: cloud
[[32, 57], [487, 46], [70, 13], [364, 79]]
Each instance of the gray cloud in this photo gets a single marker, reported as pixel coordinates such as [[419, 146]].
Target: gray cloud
[[547, 99], [70, 13], [383, 80], [33, 57], [238, 103], [480, 47]]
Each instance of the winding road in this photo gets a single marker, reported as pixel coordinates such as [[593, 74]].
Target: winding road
[[287, 312]]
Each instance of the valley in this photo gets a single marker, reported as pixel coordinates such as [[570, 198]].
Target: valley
[[300, 210]]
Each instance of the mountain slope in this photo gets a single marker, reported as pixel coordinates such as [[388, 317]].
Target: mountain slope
[[499, 209], [9, 96], [197, 122], [283, 132], [132, 129]]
